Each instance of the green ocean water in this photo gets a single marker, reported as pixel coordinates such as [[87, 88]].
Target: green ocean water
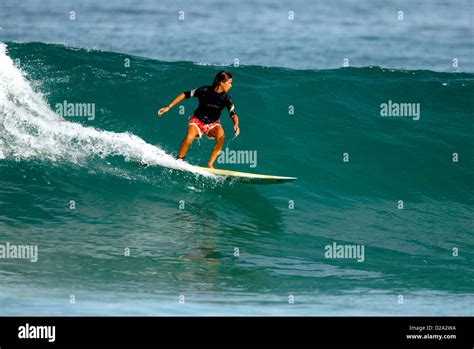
[[71, 186]]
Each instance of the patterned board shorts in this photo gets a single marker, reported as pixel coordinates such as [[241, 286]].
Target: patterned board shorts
[[202, 127]]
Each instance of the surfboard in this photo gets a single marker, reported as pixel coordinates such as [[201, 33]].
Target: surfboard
[[247, 177]]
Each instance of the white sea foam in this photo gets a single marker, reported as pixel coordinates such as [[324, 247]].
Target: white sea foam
[[30, 129]]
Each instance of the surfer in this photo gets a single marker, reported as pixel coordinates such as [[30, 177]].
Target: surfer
[[205, 120]]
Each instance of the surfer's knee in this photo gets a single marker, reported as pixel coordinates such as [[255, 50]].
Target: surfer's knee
[[190, 136], [189, 139], [220, 139], [220, 135]]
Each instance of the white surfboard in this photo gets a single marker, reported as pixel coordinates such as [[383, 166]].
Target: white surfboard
[[247, 177]]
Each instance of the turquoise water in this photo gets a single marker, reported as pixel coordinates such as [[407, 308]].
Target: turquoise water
[[303, 34], [71, 186]]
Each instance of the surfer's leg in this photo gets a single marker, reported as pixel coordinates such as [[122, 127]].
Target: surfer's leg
[[218, 133], [192, 133]]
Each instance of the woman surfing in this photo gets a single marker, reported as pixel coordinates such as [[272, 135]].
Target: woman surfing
[[205, 120]]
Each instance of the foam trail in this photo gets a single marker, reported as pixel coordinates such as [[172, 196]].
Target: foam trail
[[29, 129]]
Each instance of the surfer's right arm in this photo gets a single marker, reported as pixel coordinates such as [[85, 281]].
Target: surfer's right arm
[[172, 104]]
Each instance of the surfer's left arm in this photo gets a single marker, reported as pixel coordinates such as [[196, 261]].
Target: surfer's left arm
[[231, 108], [235, 119]]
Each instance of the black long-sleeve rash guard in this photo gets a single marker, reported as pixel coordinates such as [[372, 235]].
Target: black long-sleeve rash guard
[[211, 103]]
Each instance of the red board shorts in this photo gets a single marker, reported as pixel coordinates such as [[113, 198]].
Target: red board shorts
[[202, 127]]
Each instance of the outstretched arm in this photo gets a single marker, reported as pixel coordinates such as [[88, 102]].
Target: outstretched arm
[[172, 104]]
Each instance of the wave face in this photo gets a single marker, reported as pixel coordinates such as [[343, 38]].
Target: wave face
[[398, 186]]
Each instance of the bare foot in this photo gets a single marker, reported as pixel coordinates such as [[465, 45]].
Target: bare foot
[[210, 166]]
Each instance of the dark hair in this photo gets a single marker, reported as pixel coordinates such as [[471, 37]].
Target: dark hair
[[221, 76]]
